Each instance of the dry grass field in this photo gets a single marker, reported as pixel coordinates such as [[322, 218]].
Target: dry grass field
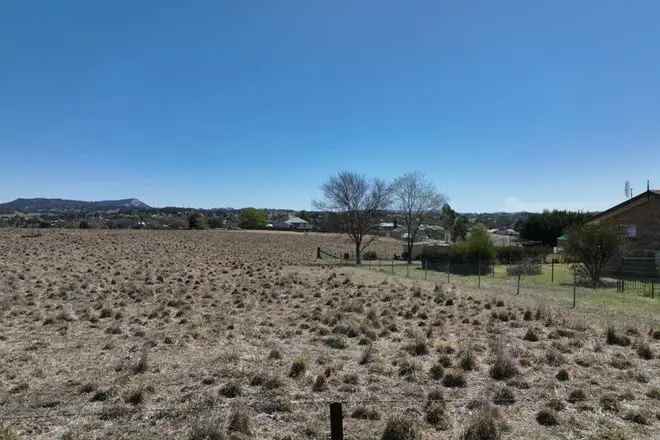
[[217, 335]]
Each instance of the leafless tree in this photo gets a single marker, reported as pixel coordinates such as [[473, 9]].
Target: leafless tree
[[416, 200], [358, 203]]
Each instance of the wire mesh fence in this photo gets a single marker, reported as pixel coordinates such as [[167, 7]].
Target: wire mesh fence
[[553, 283]]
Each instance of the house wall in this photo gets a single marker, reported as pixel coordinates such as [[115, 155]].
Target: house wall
[[646, 218]]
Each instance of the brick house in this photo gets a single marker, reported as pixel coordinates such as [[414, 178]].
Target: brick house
[[639, 219]]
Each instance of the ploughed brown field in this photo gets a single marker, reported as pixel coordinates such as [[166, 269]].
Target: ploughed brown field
[[215, 334]]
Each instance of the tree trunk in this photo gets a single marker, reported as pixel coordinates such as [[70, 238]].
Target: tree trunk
[[358, 249], [410, 249]]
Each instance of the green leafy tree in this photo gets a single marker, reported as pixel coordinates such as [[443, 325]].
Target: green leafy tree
[[197, 220], [593, 245], [216, 222], [479, 245], [252, 218], [459, 229], [549, 225]]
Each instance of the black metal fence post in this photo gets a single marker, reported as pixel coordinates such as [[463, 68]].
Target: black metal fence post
[[336, 422], [552, 272], [478, 271], [574, 285]]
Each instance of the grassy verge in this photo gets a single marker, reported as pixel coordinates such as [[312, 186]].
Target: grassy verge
[[554, 289]]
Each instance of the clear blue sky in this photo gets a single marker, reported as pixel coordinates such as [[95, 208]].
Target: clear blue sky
[[506, 105]]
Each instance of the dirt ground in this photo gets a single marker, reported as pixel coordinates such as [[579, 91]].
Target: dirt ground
[[216, 334]]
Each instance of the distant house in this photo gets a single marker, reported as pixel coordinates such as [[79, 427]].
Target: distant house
[[638, 218], [503, 237], [293, 223]]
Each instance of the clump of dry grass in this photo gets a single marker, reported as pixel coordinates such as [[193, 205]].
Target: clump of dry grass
[[644, 351], [239, 421], [435, 411], [504, 396], [454, 379], [437, 371], [206, 428], [400, 427], [230, 390], [364, 413], [367, 355], [467, 359], [320, 384], [483, 425], [531, 335], [547, 417], [610, 402], [298, 367], [612, 337], [504, 366], [562, 375]]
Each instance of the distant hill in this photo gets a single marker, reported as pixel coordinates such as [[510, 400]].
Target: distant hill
[[62, 205]]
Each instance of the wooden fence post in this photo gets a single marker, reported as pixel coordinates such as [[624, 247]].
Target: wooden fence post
[[336, 422], [518, 286]]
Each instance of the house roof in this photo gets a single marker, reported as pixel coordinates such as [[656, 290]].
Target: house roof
[[294, 219], [639, 199]]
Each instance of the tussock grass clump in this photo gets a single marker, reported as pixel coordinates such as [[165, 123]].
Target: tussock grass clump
[[320, 384], [504, 367], [531, 335], [644, 351], [454, 379], [554, 358], [437, 371], [135, 396], [206, 428], [610, 402], [547, 417], [275, 354], [483, 425], [142, 363], [556, 404], [367, 355], [400, 428], [231, 390], [298, 368], [409, 369], [577, 395], [418, 347], [336, 342], [562, 375], [445, 361], [504, 396], [364, 413], [468, 360], [612, 337], [239, 421], [436, 416]]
